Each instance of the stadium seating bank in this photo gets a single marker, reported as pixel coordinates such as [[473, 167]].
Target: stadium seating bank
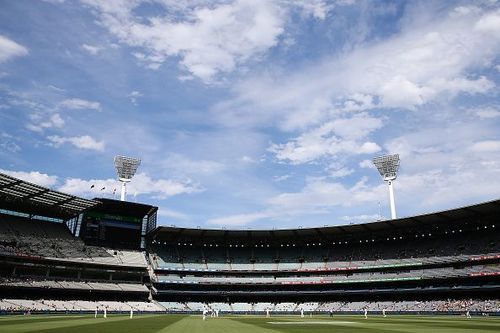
[[46, 266], [63, 253], [452, 254]]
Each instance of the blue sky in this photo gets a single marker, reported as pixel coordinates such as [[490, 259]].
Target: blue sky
[[253, 113]]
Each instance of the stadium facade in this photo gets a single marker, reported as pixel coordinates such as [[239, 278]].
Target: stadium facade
[[59, 252]]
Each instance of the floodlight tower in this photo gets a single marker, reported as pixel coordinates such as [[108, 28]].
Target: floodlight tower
[[388, 166], [125, 169]]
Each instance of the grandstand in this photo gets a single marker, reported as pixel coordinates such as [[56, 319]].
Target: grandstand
[[434, 257], [61, 257], [45, 267]]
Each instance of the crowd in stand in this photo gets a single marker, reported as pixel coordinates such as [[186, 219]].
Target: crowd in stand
[[42, 239], [32, 238], [440, 306], [51, 240], [69, 284], [436, 306], [323, 255], [415, 306], [334, 277], [35, 306]]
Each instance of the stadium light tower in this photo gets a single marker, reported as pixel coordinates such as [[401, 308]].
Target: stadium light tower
[[388, 166], [125, 169]]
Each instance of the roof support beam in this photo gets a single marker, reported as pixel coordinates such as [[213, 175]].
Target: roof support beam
[[36, 194], [11, 184]]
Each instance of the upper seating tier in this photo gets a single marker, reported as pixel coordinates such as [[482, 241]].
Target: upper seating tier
[[25, 237]]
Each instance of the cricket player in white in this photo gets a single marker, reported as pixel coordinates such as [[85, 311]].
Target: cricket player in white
[[131, 313], [366, 314]]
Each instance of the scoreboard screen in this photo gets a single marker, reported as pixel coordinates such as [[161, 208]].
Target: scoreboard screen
[[118, 224], [116, 220]]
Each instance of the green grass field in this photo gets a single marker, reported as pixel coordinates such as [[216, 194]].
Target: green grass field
[[246, 324]]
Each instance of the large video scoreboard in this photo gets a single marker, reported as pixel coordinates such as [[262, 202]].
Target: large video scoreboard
[[118, 224]]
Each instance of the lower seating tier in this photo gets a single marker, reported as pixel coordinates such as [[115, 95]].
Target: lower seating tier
[[414, 274], [73, 285], [489, 306], [77, 305]]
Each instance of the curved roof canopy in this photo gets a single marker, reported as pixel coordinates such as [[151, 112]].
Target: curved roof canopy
[[22, 196], [465, 217]]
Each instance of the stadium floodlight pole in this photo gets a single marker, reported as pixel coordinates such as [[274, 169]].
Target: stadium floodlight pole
[[388, 166], [125, 169]]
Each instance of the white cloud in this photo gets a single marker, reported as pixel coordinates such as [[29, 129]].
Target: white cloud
[[37, 125], [317, 197], [420, 64], [465, 10], [433, 182], [317, 8], [248, 159], [337, 171], [46, 113], [368, 164], [434, 175], [341, 136], [485, 112], [356, 102], [91, 49], [486, 146], [10, 49], [8, 143], [44, 116], [489, 23], [34, 177], [134, 95], [208, 38], [282, 178], [56, 120], [82, 142], [56, 89], [79, 104], [140, 184], [465, 167]]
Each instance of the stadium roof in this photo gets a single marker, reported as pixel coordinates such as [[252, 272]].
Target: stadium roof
[[427, 222], [117, 207], [22, 196]]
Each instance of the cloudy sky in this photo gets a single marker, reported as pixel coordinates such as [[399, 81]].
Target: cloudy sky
[[254, 113]]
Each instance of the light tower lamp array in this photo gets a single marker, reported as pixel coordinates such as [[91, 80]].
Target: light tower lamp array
[[125, 169], [388, 166]]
